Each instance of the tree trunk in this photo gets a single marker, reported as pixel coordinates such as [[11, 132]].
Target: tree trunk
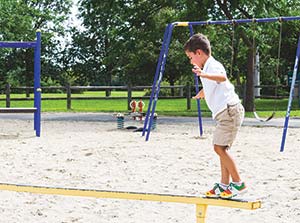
[[29, 76], [235, 70], [108, 76], [249, 97], [172, 89]]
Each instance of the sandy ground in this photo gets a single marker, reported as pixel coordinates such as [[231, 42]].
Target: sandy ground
[[96, 155]]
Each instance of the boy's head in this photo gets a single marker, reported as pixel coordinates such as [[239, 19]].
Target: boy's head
[[198, 42]]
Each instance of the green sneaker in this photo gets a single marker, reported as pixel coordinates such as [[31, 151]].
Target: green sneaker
[[215, 192], [233, 190]]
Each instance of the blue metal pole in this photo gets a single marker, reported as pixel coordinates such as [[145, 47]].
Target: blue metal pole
[[164, 59], [158, 69], [17, 44], [286, 123], [37, 84], [197, 90], [238, 21]]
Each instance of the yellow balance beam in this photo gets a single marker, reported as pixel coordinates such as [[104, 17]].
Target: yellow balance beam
[[233, 203]]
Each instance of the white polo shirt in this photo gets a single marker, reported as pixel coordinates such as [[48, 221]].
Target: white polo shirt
[[217, 94]]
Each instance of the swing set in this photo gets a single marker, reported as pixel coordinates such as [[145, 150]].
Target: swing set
[[277, 69], [36, 109], [163, 58]]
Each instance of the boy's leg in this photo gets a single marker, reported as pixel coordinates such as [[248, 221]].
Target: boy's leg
[[228, 166], [225, 176]]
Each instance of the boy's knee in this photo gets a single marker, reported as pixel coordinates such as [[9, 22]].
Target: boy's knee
[[220, 150]]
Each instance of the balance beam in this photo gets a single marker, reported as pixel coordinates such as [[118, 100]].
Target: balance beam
[[200, 202], [18, 110]]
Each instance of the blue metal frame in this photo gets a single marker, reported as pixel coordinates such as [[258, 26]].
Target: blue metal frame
[[17, 44], [196, 79], [163, 57], [158, 70], [287, 116], [37, 75], [157, 80]]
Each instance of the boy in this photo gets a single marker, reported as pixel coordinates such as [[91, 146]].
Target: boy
[[226, 109]]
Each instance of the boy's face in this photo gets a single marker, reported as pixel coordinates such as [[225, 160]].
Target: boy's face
[[196, 58]]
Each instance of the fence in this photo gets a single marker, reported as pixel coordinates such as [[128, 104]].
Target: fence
[[178, 91]]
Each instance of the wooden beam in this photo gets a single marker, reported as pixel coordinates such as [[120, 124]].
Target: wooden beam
[[233, 203]]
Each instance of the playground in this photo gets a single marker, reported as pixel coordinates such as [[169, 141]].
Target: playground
[[89, 154], [112, 174]]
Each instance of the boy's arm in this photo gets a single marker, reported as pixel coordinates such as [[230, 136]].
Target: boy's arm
[[200, 95], [214, 77]]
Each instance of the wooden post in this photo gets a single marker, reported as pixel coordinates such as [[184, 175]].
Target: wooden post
[[181, 91], [27, 92], [107, 92], [129, 96], [7, 92], [188, 96], [68, 89]]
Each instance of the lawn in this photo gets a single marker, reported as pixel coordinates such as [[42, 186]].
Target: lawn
[[174, 107]]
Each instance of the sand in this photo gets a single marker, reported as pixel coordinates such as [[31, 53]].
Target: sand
[[96, 155]]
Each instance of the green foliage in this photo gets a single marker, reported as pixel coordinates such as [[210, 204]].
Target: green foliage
[[119, 41], [19, 21]]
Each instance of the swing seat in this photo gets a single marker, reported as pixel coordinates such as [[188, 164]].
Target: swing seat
[[263, 120], [18, 110]]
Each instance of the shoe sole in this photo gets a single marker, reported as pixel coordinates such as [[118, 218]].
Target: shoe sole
[[212, 196], [236, 195]]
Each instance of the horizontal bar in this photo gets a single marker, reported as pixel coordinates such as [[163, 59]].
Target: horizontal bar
[[98, 87], [17, 44], [237, 21], [244, 204], [272, 97], [182, 24], [17, 110], [92, 98]]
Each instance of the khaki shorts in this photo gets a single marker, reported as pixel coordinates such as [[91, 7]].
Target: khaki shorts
[[228, 123]]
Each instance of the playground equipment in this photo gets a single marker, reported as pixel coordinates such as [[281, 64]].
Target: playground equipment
[[201, 203], [37, 82], [277, 67], [163, 58], [141, 105], [134, 113], [121, 120], [133, 105]]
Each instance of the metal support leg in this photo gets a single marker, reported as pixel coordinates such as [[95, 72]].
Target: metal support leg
[[157, 82], [197, 90], [287, 116]]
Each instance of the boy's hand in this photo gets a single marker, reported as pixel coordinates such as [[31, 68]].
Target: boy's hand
[[200, 95], [197, 70]]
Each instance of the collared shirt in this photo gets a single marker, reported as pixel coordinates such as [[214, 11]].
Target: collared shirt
[[218, 95]]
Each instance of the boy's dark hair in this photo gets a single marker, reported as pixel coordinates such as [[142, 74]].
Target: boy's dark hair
[[198, 41]]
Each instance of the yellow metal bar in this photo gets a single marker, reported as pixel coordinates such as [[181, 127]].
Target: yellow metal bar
[[243, 204], [182, 24]]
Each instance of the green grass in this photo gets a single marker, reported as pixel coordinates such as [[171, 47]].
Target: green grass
[[172, 107]]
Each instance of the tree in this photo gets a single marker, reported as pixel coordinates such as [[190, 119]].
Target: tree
[[19, 21], [121, 40], [257, 9]]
